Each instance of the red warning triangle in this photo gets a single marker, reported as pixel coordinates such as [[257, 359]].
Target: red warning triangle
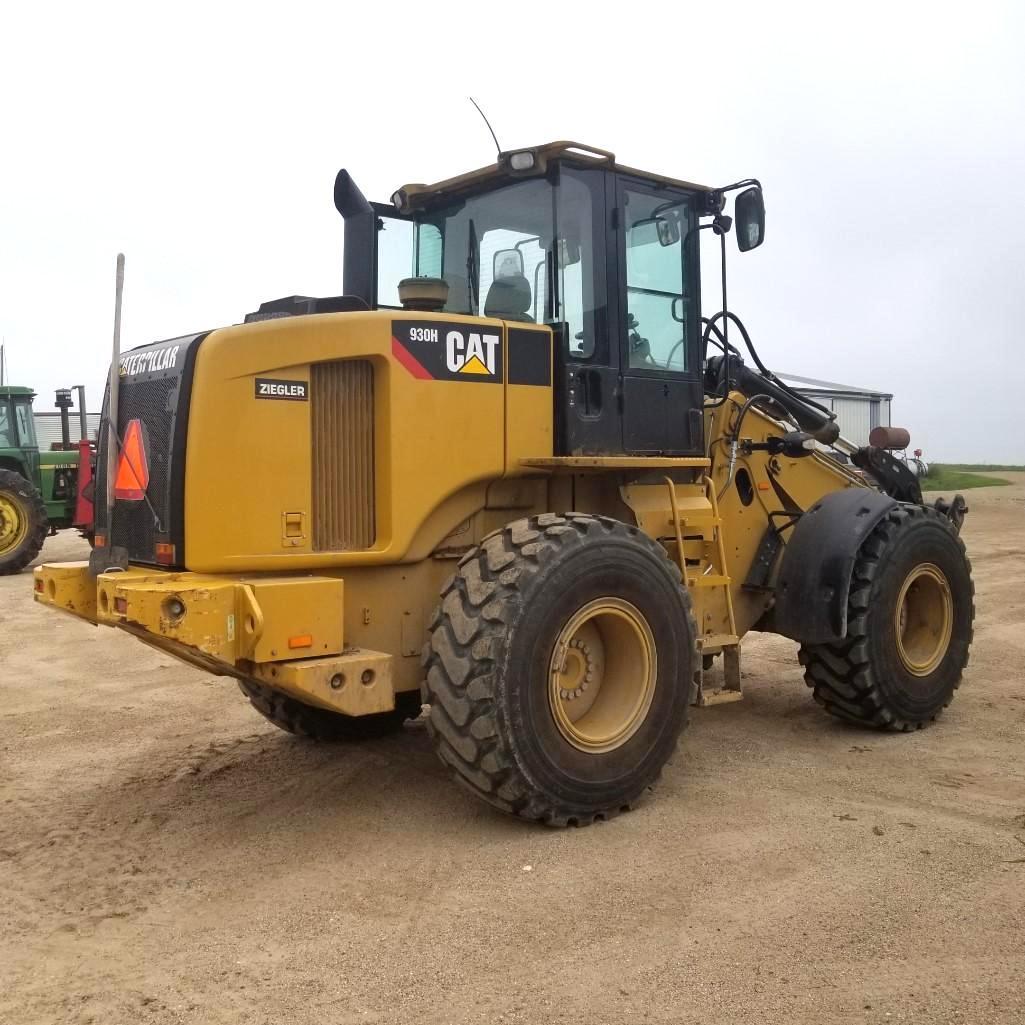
[[133, 467]]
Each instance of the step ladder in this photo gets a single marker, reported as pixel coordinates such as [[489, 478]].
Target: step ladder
[[716, 576]]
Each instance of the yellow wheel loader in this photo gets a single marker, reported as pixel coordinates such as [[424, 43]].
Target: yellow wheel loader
[[513, 475]]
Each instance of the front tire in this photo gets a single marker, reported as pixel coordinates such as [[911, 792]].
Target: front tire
[[909, 626], [560, 666], [23, 522]]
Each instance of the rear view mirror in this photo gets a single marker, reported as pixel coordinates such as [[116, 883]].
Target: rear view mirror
[[668, 230], [508, 263], [749, 219]]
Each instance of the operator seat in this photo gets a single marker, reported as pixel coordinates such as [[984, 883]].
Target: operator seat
[[509, 299]]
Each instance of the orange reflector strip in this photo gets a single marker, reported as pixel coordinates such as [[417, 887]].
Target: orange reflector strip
[[132, 466], [763, 485], [165, 553], [121, 606], [302, 641], [99, 541], [39, 585]]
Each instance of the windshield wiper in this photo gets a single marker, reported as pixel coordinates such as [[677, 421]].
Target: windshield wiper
[[472, 272]]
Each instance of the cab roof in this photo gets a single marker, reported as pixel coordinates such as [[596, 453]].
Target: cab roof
[[418, 195], [10, 391]]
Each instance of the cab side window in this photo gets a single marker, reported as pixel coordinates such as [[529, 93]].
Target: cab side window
[[656, 292], [26, 425]]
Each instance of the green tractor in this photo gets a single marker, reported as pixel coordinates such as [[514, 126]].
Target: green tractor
[[40, 492]]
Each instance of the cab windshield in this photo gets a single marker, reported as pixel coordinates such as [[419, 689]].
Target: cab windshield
[[493, 251], [523, 252]]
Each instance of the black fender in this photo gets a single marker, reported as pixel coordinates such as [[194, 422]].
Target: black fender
[[815, 573]]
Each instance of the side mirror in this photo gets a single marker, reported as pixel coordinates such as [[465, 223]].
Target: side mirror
[[508, 263], [668, 231], [749, 219]]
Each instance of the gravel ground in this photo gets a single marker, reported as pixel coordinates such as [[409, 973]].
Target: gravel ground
[[167, 856]]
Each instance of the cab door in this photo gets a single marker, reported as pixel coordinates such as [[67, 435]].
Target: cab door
[[662, 392]]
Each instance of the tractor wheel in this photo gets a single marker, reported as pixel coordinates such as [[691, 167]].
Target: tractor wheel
[[23, 522], [560, 666], [909, 626], [294, 716]]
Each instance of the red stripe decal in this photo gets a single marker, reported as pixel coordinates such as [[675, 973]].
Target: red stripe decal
[[409, 361]]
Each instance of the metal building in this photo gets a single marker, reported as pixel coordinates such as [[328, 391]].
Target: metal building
[[48, 428], [857, 410]]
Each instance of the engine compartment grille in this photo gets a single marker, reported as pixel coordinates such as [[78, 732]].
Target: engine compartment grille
[[342, 433], [154, 387]]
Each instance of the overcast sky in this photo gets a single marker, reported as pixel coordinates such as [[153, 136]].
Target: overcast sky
[[203, 142]]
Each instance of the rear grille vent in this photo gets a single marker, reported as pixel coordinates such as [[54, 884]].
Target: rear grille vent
[[342, 397]]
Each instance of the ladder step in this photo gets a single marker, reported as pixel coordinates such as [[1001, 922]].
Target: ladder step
[[711, 580]]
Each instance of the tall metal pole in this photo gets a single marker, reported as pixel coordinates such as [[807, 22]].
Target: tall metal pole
[[112, 387], [83, 417]]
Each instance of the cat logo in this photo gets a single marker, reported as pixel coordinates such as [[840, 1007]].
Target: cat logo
[[475, 354], [436, 350]]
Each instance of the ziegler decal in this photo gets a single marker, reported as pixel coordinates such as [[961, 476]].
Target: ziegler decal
[[272, 388], [148, 362], [436, 351]]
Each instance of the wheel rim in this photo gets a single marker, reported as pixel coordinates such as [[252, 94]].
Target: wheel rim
[[924, 619], [602, 675], [13, 524]]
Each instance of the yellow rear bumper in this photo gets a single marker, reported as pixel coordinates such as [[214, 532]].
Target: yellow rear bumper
[[285, 631]]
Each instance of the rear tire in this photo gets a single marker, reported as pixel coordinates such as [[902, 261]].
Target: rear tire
[[909, 626], [23, 522], [560, 666], [302, 720]]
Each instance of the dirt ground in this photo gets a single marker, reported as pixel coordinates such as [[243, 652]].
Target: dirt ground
[[167, 856]]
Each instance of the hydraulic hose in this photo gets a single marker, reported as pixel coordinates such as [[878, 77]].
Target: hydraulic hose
[[820, 425]]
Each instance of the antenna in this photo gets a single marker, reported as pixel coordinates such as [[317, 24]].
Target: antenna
[[113, 441], [3, 344], [488, 123]]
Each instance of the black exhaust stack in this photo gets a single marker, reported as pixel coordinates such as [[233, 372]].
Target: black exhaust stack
[[64, 403], [359, 270]]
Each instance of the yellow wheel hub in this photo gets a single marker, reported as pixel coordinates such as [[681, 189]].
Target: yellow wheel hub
[[602, 675], [924, 619], [13, 524]]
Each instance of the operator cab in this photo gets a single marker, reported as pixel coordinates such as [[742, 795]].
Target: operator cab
[[605, 255], [17, 425]]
